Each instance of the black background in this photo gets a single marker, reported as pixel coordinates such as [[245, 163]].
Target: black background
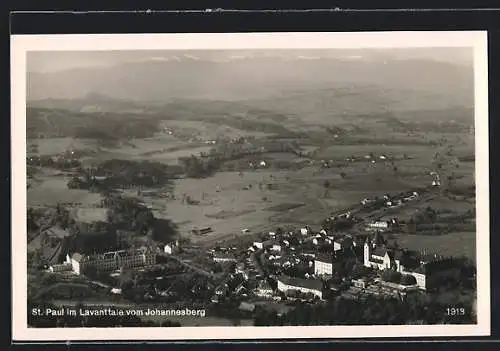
[[341, 19]]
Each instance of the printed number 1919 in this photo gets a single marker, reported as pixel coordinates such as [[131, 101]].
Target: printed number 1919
[[455, 311]]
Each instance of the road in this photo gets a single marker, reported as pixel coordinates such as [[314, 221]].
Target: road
[[41, 230]]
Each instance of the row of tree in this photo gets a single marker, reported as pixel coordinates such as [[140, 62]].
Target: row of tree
[[370, 311], [393, 276]]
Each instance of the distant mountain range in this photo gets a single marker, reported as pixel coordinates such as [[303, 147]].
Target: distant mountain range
[[291, 86]]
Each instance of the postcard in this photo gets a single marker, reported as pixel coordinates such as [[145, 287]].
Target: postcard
[[245, 186]]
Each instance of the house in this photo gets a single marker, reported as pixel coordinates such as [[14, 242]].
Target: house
[[258, 244], [323, 264], [304, 231], [311, 254], [170, 248], [366, 202], [224, 257], [76, 261], [240, 288], [99, 178], [240, 268], [267, 244], [378, 225], [381, 257], [64, 267], [276, 247], [305, 286], [359, 283], [342, 243], [319, 239], [264, 289]]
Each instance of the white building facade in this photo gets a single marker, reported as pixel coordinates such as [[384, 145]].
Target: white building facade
[[316, 290], [112, 260], [323, 266]]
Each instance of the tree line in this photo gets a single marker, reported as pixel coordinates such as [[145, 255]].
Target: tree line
[[370, 311]]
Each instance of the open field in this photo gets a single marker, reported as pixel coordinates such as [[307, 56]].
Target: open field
[[415, 151], [440, 204], [49, 191], [229, 202], [258, 200], [261, 199], [54, 146], [283, 156], [89, 215], [208, 130], [224, 205], [161, 148], [453, 244], [304, 187]]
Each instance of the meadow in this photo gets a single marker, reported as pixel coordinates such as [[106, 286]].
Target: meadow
[[451, 244], [48, 191], [266, 198]]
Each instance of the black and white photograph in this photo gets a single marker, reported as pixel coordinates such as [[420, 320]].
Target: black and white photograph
[[306, 185]]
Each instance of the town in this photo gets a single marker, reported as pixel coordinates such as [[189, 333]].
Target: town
[[350, 256]]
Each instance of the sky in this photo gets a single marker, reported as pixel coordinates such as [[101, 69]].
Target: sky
[[52, 61]]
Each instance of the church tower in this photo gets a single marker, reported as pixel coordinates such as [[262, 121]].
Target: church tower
[[367, 252]]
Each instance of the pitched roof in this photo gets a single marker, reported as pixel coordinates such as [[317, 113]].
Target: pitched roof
[[390, 253], [77, 257], [304, 283], [224, 255], [323, 257], [380, 251], [421, 269], [378, 239], [264, 285]]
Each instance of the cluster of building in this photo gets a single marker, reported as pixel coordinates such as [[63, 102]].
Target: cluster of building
[[245, 280], [379, 256], [323, 255], [390, 201], [296, 264]]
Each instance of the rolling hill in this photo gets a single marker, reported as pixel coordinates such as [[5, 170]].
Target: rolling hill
[[260, 79]]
